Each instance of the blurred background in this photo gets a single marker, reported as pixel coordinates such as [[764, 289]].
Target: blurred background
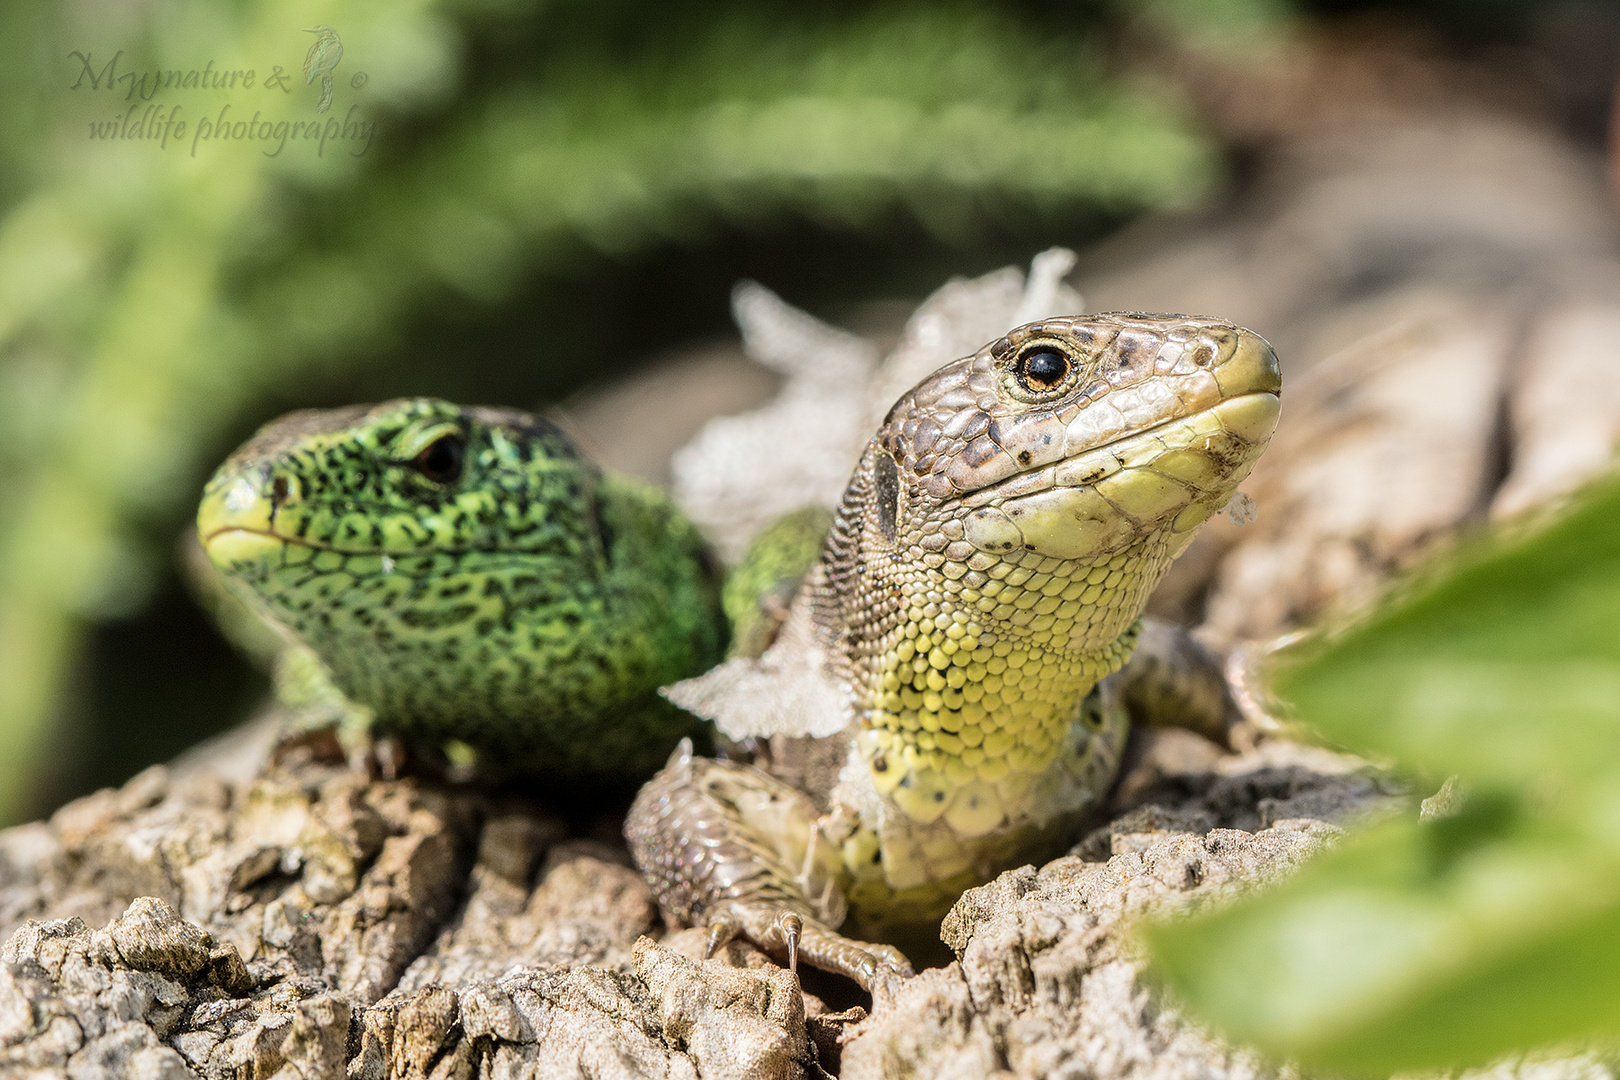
[[531, 203]]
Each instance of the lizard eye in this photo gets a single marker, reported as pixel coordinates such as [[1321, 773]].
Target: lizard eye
[[441, 460], [1042, 369]]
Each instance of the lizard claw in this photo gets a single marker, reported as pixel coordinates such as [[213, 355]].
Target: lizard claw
[[792, 927], [722, 929]]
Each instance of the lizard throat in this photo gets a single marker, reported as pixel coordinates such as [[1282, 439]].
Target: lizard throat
[[976, 708]]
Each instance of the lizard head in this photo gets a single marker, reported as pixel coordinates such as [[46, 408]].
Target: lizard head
[[1067, 443], [1006, 524], [1074, 439], [393, 538], [406, 479]]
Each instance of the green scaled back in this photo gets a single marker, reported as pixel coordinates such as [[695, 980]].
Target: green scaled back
[[467, 574], [762, 586]]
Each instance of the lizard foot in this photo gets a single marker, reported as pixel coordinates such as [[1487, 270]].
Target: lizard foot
[[730, 847], [784, 934]]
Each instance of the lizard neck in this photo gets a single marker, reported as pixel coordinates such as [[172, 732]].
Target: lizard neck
[[977, 692], [661, 582]]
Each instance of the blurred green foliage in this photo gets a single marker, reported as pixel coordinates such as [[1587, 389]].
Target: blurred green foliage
[[1449, 941], [154, 291]]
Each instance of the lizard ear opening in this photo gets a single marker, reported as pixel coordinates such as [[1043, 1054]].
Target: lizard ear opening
[[886, 490]]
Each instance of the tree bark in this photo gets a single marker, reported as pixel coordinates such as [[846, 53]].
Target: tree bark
[[224, 917]]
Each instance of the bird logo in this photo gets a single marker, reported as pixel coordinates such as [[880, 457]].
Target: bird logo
[[322, 61]]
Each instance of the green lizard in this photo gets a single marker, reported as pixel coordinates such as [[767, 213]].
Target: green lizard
[[466, 574]]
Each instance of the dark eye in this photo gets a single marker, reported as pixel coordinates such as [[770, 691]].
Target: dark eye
[[441, 461], [1042, 369]]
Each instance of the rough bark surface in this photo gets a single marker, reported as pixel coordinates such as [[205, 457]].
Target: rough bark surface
[[310, 922]]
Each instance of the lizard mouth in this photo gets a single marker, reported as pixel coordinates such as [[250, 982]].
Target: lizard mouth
[[1249, 417], [236, 519], [1174, 474], [237, 522], [230, 544]]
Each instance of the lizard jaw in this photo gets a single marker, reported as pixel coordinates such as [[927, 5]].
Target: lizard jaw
[[233, 546], [1173, 475]]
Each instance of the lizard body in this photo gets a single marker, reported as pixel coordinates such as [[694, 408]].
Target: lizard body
[[466, 573], [985, 573]]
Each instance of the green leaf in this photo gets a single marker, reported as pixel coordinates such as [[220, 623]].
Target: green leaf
[[1503, 666], [1446, 943], [1441, 944]]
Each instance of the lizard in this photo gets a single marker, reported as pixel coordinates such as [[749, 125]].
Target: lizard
[[940, 701], [467, 574]]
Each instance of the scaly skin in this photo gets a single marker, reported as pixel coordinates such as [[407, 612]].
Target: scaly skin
[[985, 573], [760, 589], [465, 573]]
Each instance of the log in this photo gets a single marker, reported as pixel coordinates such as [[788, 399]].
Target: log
[[234, 917]]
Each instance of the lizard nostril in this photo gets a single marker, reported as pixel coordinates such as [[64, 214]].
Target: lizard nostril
[[279, 490]]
